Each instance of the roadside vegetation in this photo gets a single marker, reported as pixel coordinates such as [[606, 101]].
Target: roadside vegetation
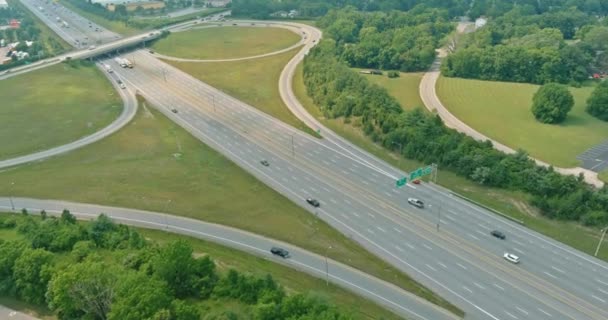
[[255, 82], [501, 111], [404, 87], [57, 265], [39, 116], [152, 164], [225, 42]]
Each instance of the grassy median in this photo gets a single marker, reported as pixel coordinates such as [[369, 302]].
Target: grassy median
[[225, 42], [153, 164], [53, 106]]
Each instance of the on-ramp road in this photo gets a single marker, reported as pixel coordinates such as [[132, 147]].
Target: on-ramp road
[[385, 294]]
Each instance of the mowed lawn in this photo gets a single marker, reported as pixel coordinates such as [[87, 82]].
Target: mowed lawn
[[513, 203], [501, 111], [255, 82], [153, 164], [404, 88], [225, 42], [53, 106]]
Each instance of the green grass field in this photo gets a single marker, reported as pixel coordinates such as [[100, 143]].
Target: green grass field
[[54, 106], [404, 88], [116, 26], [225, 42], [142, 167], [514, 204], [255, 82], [501, 111], [226, 258]]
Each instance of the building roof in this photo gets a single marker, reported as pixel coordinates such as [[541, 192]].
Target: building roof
[[3, 3]]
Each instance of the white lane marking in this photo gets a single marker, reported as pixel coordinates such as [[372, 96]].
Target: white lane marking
[[371, 215], [602, 282], [399, 248], [450, 218], [345, 172], [294, 178], [411, 186], [344, 215], [395, 190], [388, 194], [499, 287], [379, 228], [332, 200], [602, 291], [347, 201], [481, 232], [473, 236], [478, 285], [370, 231], [519, 243], [326, 190], [427, 246], [467, 289], [522, 310], [518, 250], [355, 214], [325, 162], [313, 189], [557, 269], [453, 212], [460, 265], [545, 312], [410, 246], [482, 226], [332, 160], [365, 182], [443, 265], [598, 298], [353, 170], [511, 315], [396, 229], [430, 267], [550, 275]]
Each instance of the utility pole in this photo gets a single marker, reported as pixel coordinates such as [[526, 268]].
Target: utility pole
[[439, 216], [400, 152], [600, 243], [10, 196], [435, 171], [164, 73], [165, 213], [326, 267], [293, 148]]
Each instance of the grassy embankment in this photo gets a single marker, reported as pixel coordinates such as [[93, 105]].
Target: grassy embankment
[[513, 203], [54, 106], [225, 43], [225, 259], [501, 111]]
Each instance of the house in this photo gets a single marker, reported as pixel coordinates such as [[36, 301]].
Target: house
[[3, 4]]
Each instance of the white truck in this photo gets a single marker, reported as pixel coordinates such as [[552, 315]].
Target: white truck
[[108, 68], [125, 63]]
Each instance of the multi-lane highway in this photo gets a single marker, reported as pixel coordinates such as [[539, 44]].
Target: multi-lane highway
[[446, 246], [459, 260], [74, 29], [393, 298]]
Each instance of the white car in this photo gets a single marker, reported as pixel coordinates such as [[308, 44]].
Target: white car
[[415, 202], [511, 257]]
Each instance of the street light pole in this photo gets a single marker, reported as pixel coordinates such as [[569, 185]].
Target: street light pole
[[10, 196], [400, 151], [327, 267], [165, 213], [600, 243]]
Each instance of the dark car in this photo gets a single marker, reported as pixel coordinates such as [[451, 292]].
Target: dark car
[[174, 110], [498, 234], [279, 252], [313, 202], [265, 163]]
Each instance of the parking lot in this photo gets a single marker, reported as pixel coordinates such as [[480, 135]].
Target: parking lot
[[596, 158]]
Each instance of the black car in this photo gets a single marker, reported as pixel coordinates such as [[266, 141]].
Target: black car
[[279, 252], [265, 163], [174, 110], [313, 202], [498, 234]]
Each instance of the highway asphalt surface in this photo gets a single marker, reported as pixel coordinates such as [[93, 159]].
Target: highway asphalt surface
[[9, 314], [461, 261], [79, 32], [383, 293], [455, 257]]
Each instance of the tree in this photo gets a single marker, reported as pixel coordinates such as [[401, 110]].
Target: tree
[[32, 272], [81, 289], [551, 103], [139, 296], [10, 251], [181, 310], [597, 104]]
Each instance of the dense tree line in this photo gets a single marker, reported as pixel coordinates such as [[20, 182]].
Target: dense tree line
[[102, 270], [342, 93], [523, 46], [403, 41]]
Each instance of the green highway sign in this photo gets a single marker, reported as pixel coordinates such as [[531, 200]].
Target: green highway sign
[[421, 172], [400, 182]]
